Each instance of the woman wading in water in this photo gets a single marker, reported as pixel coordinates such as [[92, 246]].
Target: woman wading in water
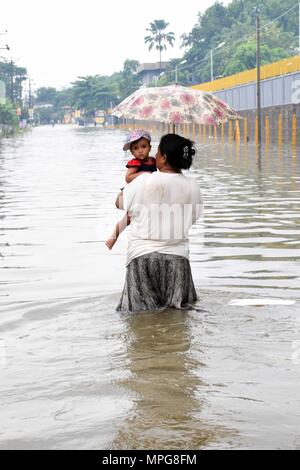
[[162, 207]]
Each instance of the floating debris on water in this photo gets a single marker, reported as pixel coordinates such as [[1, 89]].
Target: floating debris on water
[[260, 302]]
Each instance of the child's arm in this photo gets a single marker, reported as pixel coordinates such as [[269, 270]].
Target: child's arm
[[131, 174], [121, 225]]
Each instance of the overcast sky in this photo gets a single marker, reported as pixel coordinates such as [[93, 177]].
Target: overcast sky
[[59, 40]]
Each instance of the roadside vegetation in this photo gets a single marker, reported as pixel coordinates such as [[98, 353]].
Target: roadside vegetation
[[232, 27]]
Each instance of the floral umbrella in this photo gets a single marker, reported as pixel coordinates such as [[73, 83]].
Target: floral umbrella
[[175, 104]]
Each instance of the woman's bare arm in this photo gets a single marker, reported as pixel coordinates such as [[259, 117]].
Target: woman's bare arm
[[119, 201]]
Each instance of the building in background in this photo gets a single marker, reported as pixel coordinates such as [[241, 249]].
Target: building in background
[[148, 72]]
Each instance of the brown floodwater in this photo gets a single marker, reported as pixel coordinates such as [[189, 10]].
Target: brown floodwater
[[74, 374]]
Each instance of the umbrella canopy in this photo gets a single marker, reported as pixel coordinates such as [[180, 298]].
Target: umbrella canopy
[[175, 104]]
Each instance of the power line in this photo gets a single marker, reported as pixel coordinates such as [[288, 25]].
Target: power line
[[278, 17]]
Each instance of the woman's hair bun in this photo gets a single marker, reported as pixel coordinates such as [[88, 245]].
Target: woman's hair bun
[[188, 152], [178, 150]]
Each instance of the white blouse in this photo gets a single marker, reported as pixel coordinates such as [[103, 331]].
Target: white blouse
[[162, 206]]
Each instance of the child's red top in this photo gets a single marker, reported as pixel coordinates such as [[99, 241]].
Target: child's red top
[[150, 165]]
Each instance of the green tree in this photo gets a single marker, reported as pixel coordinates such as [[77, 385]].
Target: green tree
[[128, 79], [8, 114], [45, 115], [63, 98], [158, 37], [46, 95], [89, 93], [13, 77], [92, 93], [235, 25], [244, 58]]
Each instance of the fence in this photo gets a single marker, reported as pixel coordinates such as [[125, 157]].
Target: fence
[[279, 91], [282, 67], [278, 127]]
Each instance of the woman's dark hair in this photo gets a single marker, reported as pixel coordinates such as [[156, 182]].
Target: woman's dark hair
[[178, 150]]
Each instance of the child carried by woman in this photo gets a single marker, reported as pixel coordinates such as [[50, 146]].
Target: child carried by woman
[[139, 144]]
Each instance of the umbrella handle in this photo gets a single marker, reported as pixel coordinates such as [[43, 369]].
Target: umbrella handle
[[174, 128]]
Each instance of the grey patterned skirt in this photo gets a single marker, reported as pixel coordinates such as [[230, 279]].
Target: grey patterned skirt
[[155, 281]]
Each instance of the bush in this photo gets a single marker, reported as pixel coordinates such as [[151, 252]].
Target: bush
[[8, 114]]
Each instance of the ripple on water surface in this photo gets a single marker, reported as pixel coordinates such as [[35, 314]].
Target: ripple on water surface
[[76, 374]]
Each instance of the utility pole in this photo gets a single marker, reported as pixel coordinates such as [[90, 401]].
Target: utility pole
[[212, 62], [11, 81], [258, 84], [29, 95], [176, 70]]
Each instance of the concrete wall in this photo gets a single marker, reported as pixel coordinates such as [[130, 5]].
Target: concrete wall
[[280, 125], [274, 128], [276, 91]]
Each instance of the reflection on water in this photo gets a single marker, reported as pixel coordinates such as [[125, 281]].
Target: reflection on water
[[57, 189], [164, 382], [75, 374], [252, 220]]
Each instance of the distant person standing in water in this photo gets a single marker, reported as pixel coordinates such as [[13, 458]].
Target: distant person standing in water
[[162, 206]]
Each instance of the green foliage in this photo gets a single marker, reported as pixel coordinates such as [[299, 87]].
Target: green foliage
[[235, 24], [45, 115], [128, 80], [13, 77], [46, 95], [93, 92], [63, 98], [244, 58], [89, 93], [158, 37], [8, 114]]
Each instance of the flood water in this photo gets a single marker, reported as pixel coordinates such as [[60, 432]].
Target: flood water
[[74, 374]]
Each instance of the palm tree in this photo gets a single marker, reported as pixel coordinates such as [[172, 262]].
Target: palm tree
[[159, 38]]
